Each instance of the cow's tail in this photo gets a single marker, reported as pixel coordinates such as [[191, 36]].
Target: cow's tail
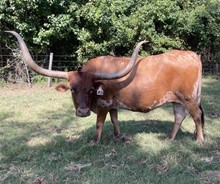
[[199, 96], [202, 116]]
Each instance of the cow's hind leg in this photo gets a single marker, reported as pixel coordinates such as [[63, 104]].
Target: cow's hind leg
[[114, 119], [101, 116], [117, 133], [198, 116], [180, 114]]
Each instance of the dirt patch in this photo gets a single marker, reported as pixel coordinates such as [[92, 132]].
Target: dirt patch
[[210, 176], [215, 114]]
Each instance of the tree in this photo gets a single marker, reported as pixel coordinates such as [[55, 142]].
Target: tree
[[90, 28]]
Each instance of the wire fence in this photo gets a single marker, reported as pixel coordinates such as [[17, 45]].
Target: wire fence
[[14, 70], [61, 62]]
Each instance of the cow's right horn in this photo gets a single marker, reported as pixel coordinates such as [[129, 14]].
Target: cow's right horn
[[30, 62], [125, 71]]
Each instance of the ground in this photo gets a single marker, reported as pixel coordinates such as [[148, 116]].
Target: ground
[[42, 141]]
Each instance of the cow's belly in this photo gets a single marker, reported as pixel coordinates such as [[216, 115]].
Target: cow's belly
[[118, 104], [144, 103], [141, 105]]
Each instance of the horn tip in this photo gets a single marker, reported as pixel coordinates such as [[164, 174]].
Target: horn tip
[[8, 31], [144, 41], [12, 32]]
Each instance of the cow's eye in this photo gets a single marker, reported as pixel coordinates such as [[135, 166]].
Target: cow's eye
[[72, 90], [91, 91]]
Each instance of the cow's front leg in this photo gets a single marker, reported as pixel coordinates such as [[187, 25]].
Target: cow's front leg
[[117, 133], [101, 116]]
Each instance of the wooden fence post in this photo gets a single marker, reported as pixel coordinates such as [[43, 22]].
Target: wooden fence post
[[28, 76], [50, 67]]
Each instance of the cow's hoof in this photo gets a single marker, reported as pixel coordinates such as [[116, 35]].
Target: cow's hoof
[[169, 138], [94, 143], [199, 138], [200, 141], [122, 138]]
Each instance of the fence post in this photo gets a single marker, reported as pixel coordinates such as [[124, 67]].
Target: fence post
[[28, 76], [50, 67]]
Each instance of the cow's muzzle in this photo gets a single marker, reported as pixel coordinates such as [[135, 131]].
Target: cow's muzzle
[[82, 112]]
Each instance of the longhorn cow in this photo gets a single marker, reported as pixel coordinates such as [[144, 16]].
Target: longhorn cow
[[106, 84]]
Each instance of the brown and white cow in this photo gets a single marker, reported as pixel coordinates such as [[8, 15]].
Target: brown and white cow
[[106, 84]]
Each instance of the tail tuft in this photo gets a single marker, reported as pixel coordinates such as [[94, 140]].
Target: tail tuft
[[202, 116]]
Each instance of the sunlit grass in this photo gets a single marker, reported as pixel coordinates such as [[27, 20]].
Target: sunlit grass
[[42, 141]]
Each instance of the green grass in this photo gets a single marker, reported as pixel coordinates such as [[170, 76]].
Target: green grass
[[42, 141]]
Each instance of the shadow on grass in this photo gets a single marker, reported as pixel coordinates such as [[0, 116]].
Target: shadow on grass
[[110, 162], [154, 160]]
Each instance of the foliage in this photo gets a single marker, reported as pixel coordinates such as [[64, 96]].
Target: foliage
[[90, 28]]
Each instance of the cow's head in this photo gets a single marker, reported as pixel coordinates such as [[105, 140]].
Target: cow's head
[[83, 85]]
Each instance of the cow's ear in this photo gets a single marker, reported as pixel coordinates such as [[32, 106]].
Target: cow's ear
[[62, 87]]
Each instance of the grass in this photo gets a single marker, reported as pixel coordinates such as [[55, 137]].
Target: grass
[[42, 141]]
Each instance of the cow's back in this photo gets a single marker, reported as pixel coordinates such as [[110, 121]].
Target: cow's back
[[153, 81]]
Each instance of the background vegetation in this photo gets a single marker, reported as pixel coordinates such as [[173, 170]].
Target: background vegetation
[[88, 28]]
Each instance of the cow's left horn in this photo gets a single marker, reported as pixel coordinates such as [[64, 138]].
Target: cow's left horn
[[31, 63], [125, 71]]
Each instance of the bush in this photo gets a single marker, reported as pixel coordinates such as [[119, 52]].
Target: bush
[[89, 28]]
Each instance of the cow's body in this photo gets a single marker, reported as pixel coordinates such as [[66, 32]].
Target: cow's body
[[153, 81], [106, 84], [174, 77]]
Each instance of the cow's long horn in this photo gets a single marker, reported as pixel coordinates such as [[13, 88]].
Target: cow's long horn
[[30, 62], [125, 71]]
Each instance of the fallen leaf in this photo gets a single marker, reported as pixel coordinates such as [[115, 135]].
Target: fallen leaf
[[76, 167]]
